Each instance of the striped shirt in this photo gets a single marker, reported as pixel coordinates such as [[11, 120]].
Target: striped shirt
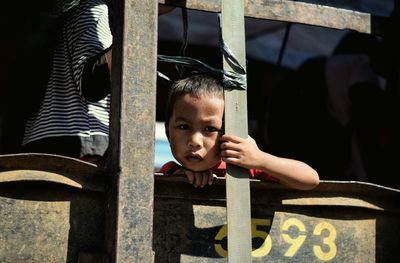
[[64, 112]]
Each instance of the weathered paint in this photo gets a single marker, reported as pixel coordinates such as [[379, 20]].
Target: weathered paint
[[296, 12], [190, 224], [133, 96], [51, 168], [43, 221], [47, 222], [51, 209]]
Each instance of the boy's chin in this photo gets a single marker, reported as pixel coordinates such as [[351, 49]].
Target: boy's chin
[[194, 167], [200, 168]]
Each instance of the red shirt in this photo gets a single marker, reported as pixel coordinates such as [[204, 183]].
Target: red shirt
[[220, 171]]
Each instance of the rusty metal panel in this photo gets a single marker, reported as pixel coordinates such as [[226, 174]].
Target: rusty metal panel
[[133, 97], [190, 225], [293, 11], [47, 222], [52, 209], [51, 168]]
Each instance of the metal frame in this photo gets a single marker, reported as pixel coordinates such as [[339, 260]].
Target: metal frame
[[129, 181], [132, 132], [296, 12], [133, 106]]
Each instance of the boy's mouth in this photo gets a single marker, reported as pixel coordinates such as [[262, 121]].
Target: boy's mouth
[[193, 157]]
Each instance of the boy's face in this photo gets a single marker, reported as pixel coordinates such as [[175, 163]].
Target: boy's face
[[194, 130]]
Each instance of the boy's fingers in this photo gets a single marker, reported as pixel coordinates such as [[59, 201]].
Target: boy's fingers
[[189, 176], [211, 178], [231, 160], [230, 153], [232, 138], [180, 171], [205, 178], [198, 179], [202, 178], [230, 145]]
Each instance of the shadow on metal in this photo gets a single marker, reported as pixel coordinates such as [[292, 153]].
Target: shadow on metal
[[336, 222], [51, 209]]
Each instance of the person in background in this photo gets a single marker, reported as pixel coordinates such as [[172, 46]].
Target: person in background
[[73, 118], [332, 113], [356, 91], [194, 128]]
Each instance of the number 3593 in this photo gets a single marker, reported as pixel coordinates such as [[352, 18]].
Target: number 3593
[[324, 248]]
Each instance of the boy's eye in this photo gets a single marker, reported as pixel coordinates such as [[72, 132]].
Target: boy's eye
[[182, 126], [211, 129]]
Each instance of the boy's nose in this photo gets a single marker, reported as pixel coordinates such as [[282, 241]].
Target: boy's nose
[[196, 140]]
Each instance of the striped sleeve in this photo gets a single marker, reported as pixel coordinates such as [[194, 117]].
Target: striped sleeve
[[86, 33]]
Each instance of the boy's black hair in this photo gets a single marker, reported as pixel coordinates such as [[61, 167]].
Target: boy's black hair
[[195, 85]]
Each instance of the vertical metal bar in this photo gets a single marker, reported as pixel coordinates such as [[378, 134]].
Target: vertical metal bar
[[130, 217], [237, 180]]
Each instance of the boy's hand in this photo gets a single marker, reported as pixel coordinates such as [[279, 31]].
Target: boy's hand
[[197, 179], [241, 152]]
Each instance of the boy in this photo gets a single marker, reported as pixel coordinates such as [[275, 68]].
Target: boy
[[194, 128]]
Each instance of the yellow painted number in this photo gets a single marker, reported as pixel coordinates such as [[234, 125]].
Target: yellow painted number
[[295, 242], [220, 235], [255, 232], [267, 245], [329, 241], [327, 252]]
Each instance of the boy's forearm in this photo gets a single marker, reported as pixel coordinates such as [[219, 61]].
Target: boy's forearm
[[289, 172]]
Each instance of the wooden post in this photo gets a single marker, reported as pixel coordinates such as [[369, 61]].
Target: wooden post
[[237, 180]]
